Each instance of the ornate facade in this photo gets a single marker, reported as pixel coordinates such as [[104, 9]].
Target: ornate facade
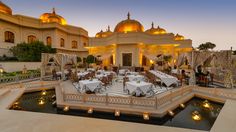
[[50, 28], [128, 45]]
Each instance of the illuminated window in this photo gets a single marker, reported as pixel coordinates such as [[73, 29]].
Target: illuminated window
[[74, 45], [9, 37], [62, 42], [31, 39], [49, 41]]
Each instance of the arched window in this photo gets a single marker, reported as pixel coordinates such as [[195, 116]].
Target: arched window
[[9, 37], [62, 42], [74, 45], [49, 41], [31, 39]]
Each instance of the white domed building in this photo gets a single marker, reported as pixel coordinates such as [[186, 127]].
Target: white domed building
[[131, 46]]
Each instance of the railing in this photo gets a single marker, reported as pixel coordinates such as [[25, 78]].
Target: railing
[[151, 103], [216, 92], [19, 77], [30, 85]]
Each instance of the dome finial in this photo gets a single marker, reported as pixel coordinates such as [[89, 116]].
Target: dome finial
[[128, 15], [108, 28], [152, 25], [53, 10]]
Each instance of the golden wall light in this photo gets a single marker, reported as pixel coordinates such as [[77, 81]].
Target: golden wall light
[[196, 116], [90, 110], [117, 113], [66, 108], [182, 106], [145, 116], [171, 113]]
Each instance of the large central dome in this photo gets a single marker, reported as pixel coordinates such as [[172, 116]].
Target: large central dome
[[129, 25], [5, 9], [52, 17]]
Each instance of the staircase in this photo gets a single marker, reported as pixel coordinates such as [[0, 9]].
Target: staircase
[[9, 96]]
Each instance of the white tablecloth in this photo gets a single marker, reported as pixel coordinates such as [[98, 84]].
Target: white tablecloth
[[59, 73], [82, 74], [90, 69], [90, 84], [135, 77], [165, 78], [134, 85], [99, 76], [123, 71], [131, 73]]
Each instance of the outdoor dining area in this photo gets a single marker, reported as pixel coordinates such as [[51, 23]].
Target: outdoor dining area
[[124, 82]]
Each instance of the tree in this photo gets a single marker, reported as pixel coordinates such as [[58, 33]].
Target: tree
[[206, 46], [79, 59], [31, 51], [90, 59]]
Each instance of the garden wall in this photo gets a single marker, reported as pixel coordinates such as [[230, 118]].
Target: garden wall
[[18, 66]]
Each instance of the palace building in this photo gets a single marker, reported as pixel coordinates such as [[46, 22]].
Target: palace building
[[128, 45], [50, 28]]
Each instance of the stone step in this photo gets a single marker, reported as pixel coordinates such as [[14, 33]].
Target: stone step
[[10, 98], [4, 92]]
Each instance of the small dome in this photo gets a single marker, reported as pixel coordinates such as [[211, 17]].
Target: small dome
[[5, 9], [129, 25], [52, 17], [156, 31], [179, 37], [102, 34]]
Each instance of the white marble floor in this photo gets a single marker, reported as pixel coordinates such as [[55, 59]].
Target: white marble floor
[[116, 89]]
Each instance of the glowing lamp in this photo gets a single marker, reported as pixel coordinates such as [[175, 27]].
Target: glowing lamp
[[196, 116], [44, 92], [171, 113], [151, 61], [145, 116], [16, 103], [66, 108], [182, 106], [90, 110], [117, 113], [206, 104], [41, 101]]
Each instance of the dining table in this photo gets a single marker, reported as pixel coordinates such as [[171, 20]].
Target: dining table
[[165, 78]]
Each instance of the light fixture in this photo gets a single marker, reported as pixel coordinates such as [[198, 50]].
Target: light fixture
[[171, 113], [90, 110], [196, 116], [145, 116], [41, 101], [182, 106], [206, 104], [66, 108], [44, 92], [16, 103], [117, 113]]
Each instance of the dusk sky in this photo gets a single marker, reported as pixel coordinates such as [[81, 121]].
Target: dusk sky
[[199, 20]]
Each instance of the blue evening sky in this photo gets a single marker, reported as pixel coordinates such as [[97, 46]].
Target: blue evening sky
[[199, 20]]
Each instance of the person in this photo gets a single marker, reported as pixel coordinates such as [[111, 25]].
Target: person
[[185, 76], [175, 70], [152, 67], [54, 73]]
